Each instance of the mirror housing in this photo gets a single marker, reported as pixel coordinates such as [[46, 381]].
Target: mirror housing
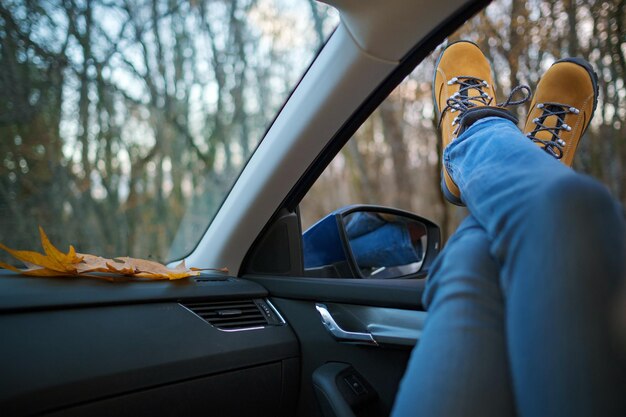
[[364, 241]]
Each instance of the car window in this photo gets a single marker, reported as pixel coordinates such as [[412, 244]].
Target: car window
[[124, 124], [393, 159]]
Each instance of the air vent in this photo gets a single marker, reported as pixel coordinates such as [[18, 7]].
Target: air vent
[[237, 315]]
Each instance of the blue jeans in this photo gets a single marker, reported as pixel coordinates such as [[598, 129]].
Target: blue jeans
[[521, 299], [377, 243]]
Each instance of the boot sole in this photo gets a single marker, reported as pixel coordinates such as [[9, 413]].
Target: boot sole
[[594, 81]]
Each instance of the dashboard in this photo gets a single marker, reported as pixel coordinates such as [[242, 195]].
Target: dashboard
[[212, 345]]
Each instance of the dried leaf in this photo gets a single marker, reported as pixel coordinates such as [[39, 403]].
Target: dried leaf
[[154, 270], [119, 266], [33, 271], [92, 263], [54, 259], [66, 261], [33, 258], [182, 267], [57, 263]]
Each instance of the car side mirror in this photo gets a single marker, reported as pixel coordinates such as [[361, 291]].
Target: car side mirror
[[370, 242]]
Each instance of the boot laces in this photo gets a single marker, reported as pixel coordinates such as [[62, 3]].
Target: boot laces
[[554, 146], [462, 101]]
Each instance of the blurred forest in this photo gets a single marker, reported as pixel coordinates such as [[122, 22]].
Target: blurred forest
[[393, 158], [124, 123]]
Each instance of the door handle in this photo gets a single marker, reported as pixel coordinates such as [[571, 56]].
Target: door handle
[[340, 334]]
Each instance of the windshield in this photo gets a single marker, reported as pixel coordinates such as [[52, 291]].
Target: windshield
[[124, 123]]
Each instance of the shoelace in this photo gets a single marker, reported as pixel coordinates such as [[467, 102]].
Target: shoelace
[[461, 101], [555, 145]]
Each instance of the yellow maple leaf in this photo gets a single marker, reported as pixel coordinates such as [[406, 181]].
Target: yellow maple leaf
[[92, 263], [66, 261], [53, 260], [154, 270], [33, 271]]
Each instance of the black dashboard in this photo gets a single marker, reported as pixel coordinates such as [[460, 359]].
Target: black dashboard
[[212, 345]]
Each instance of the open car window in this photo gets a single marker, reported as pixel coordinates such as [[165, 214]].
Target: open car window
[[124, 124], [393, 159]]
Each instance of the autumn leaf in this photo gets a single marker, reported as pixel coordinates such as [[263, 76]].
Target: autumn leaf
[[33, 271], [67, 261], [34, 258], [54, 260], [56, 263], [92, 263], [121, 267], [154, 270]]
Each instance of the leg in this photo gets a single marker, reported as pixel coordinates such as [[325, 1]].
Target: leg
[[559, 237], [462, 353]]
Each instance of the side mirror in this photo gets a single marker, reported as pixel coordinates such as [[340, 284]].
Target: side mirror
[[370, 242]]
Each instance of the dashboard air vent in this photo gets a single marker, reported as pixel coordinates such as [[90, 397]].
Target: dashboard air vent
[[237, 315]]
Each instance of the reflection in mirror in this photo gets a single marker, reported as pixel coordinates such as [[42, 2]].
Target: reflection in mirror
[[385, 245]]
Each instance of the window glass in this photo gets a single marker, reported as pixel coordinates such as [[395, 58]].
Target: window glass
[[123, 123], [393, 159]]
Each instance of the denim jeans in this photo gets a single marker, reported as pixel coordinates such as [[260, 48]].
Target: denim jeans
[[377, 243], [521, 318]]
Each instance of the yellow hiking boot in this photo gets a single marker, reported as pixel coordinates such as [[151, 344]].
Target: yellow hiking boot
[[563, 105], [464, 92]]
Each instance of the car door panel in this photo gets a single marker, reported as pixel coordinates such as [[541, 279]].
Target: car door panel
[[380, 366], [395, 293]]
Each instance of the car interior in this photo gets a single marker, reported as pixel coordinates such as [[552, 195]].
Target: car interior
[[278, 335]]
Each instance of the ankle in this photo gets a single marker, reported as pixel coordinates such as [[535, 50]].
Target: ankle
[[473, 115]]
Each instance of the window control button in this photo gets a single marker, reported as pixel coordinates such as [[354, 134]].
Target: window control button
[[355, 384]]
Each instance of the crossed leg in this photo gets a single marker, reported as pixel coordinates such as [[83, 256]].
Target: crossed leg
[[520, 300], [461, 365]]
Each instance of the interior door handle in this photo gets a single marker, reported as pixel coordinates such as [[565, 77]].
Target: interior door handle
[[340, 334]]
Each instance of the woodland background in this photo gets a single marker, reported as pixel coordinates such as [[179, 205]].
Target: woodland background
[[124, 123], [393, 159]]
